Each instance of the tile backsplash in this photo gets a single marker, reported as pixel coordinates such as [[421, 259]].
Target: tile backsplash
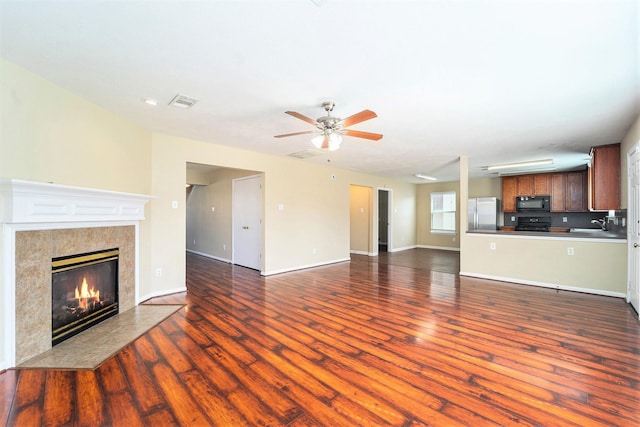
[[616, 222]]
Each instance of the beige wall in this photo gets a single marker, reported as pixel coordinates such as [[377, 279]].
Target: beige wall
[[600, 266], [51, 135], [360, 224]]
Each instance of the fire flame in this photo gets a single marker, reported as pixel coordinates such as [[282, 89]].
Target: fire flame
[[84, 295]]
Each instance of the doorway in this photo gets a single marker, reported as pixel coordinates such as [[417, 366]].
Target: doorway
[[384, 220], [633, 217]]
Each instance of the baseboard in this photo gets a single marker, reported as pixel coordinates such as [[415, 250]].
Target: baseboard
[[302, 267], [160, 294], [441, 248], [364, 253], [403, 248], [228, 261], [545, 285]]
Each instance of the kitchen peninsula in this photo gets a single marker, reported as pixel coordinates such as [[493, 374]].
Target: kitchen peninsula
[[568, 261]]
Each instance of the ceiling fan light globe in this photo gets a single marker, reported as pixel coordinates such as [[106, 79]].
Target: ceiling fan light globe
[[317, 141], [334, 141]]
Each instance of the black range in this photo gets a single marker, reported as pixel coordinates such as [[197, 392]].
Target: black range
[[533, 223]]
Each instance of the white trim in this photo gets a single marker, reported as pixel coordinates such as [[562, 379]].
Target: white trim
[[163, 293], [302, 267], [404, 248], [544, 285], [38, 202], [228, 261], [363, 253], [442, 248]]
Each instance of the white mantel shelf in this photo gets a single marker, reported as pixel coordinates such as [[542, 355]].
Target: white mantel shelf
[[27, 202]]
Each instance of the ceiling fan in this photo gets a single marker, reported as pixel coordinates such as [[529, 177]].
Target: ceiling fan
[[330, 128]]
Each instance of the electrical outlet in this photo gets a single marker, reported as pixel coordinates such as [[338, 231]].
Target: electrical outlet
[[513, 218], [570, 251], [174, 204], [194, 241], [224, 247], [564, 219], [492, 246], [158, 272]]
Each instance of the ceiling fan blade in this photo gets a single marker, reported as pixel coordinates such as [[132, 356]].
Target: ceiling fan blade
[[361, 134], [302, 117], [325, 143], [293, 134], [359, 117]]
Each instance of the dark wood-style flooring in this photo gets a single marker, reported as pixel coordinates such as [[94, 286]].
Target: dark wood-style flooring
[[399, 339]]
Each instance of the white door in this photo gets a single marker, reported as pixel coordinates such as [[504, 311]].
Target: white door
[[633, 226], [247, 222]]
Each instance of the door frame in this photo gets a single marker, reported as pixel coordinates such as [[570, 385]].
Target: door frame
[[633, 223], [389, 217]]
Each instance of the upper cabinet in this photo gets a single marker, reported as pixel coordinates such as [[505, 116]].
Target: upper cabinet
[[604, 178], [567, 190], [523, 185], [509, 193]]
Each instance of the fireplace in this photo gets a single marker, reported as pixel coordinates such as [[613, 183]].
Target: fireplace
[[84, 292], [44, 221]]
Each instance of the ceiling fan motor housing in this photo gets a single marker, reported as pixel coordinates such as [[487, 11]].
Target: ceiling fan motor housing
[[329, 123]]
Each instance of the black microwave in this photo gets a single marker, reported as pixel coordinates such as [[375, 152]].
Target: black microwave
[[533, 203]]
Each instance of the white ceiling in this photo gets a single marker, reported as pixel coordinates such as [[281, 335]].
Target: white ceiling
[[497, 81]]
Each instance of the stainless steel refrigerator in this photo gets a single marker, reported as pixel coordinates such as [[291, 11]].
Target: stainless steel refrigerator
[[482, 213]]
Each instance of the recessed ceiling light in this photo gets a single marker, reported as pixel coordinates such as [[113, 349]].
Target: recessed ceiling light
[[521, 164], [427, 177], [150, 101]]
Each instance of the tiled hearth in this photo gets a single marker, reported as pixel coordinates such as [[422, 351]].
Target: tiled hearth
[[41, 221]]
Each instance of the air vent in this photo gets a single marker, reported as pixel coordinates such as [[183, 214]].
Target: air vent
[[182, 101], [305, 154]]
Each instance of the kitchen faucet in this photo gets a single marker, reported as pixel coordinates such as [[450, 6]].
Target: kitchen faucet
[[602, 222]]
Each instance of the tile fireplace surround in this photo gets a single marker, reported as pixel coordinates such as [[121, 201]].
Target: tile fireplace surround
[[41, 221]]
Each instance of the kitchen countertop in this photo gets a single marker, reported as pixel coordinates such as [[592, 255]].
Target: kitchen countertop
[[582, 235]]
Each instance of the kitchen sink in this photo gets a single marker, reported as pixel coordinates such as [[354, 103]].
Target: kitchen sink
[[596, 232]]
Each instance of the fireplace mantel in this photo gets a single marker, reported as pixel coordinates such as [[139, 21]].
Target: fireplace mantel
[[40, 202], [38, 206]]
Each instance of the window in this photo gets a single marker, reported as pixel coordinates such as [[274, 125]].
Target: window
[[443, 212]]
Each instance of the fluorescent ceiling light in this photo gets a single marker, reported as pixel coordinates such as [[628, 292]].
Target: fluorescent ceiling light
[[528, 171], [429, 178], [521, 164], [150, 101]]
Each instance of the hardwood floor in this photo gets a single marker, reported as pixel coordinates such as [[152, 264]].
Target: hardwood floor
[[377, 341]]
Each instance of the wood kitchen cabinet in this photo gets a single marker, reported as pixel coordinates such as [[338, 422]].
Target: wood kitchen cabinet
[[604, 178], [523, 185], [541, 184], [568, 192], [509, 193]]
